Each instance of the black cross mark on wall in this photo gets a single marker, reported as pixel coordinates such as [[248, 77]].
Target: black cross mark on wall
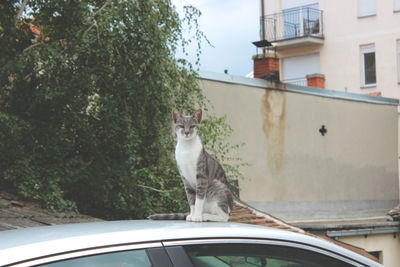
[[323, 130]]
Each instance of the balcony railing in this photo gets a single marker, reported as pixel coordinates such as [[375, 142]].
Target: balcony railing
[[296, 81], [292, 23]]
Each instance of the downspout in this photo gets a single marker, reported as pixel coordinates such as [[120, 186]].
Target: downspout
[[262, 24]]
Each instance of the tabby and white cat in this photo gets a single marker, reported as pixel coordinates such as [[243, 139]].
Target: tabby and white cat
[[206, 186]]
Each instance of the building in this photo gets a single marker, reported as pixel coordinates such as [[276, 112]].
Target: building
[[321, 160], [353, 45], [347, 46]]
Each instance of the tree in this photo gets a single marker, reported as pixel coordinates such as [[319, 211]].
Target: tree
[[87, 88]]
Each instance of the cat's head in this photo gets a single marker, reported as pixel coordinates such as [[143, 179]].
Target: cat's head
[[187, 127]]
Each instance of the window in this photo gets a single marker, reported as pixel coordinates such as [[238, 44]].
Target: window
[[296, 68], [252, 255], [367, 8], [368, 65], [135, 258], [396, 5], [377, 254], [398, 61], [286, 4]]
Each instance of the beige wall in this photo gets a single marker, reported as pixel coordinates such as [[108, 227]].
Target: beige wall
[[291, 161], [388, 244]]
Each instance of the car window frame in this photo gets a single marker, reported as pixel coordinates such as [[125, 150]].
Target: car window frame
[[172, 253], [155, 251], [175, 248]]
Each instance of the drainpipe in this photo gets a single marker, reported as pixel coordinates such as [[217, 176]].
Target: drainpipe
[[262, 24]]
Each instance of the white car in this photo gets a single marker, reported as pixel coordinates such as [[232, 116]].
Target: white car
[[169, 244]]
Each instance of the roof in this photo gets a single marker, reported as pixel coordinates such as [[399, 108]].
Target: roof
[[244, 213], [16, 213], [73, 237]]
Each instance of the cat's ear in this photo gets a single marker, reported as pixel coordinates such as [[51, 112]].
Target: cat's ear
[[176, 115], [198, 115]]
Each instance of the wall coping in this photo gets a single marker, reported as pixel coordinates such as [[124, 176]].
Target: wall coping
[[315, 75], [263, 84], [266, 55]]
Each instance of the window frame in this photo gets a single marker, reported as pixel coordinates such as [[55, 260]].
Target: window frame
[[367, 49]]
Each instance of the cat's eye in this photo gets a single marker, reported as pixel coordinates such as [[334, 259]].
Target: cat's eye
[[180, 126], [192, 126]]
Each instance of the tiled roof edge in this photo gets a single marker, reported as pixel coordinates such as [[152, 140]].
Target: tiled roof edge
[[268, 216]]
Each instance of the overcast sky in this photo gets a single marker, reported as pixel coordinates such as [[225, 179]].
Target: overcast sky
[[231, 26]]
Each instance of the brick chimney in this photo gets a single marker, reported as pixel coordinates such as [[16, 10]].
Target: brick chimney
[[316, 80], [266, 66]]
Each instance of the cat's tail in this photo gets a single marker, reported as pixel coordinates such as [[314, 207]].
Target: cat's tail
[[168, 216]]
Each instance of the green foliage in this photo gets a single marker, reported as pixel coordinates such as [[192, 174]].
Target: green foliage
[[214, 132], [85, 105]]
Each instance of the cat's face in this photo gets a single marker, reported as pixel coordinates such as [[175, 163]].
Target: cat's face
[[186, 127]]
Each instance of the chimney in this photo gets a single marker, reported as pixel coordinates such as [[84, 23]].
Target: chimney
[[266, 66], [316, 80]]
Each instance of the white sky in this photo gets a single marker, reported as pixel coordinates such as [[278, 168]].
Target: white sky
[[231, 26]]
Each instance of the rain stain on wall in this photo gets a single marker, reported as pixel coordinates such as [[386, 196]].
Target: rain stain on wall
[[274, 126]]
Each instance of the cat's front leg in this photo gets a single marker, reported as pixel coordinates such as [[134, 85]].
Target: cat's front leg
[[198, 211], [191, 214], [201, 192], [191, 196]]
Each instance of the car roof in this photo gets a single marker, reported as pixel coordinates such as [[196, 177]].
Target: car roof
[[23, 244]]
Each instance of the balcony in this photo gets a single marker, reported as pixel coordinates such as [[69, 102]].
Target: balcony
[[302, 26]]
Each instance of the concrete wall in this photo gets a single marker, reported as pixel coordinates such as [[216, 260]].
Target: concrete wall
[[291, 162], [387, 244]]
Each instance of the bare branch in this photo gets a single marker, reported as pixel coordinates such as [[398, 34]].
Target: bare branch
[[152, 188], [94, 15], [88, 29], [21, 9], [32, 46], [91, 26], [101, 8]]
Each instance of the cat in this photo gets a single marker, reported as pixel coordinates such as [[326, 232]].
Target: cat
[[207, 189]]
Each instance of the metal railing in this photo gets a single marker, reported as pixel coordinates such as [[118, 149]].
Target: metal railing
[[292, 23], [296, 81]]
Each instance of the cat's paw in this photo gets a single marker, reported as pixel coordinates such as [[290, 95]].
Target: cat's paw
[[196, 218], [189, 218]]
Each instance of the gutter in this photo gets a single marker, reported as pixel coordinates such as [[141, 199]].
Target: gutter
[[364, 232], [338, 229]]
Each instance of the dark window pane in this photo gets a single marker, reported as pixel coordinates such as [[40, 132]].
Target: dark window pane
[[135, 258], [251, 255], [369, 67]]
